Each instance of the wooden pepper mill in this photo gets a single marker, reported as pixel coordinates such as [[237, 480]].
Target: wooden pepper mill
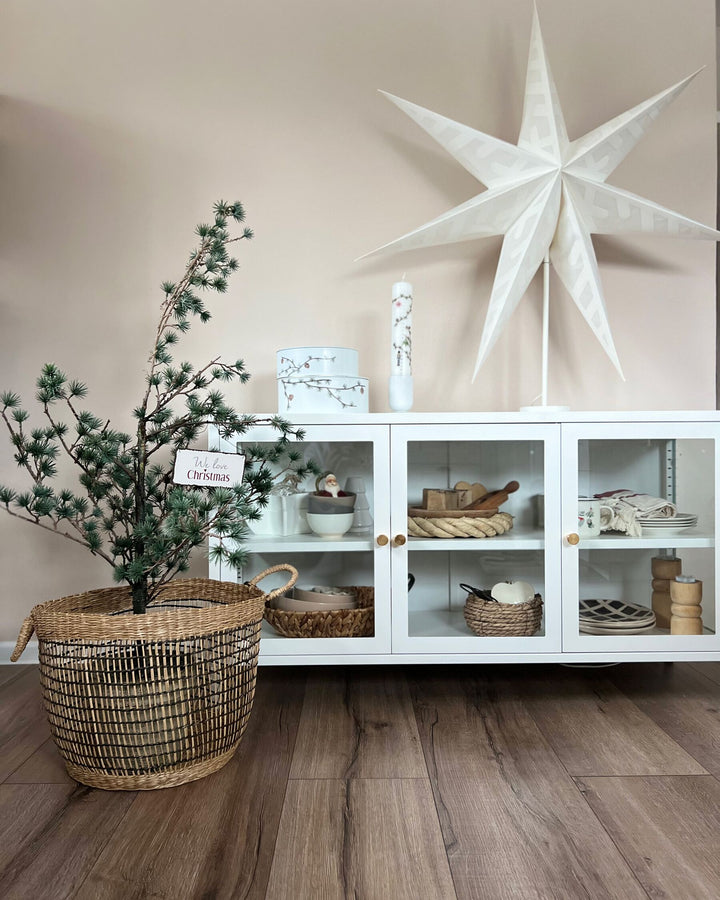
[[686, 611], [664, 570]]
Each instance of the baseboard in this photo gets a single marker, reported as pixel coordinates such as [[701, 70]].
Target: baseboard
[[30, 655]]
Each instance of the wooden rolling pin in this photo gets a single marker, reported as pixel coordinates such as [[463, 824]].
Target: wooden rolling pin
[[495, 498]]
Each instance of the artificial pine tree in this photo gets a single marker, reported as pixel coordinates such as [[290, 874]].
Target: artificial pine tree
[[129, 512]]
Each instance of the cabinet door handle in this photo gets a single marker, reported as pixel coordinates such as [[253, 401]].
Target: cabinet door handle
[[573, 539], [382, 540], [399, 540]]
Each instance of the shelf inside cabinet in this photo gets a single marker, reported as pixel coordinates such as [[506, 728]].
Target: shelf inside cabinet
[[306, 543], [651, 632], [623, 542], [443, 623], [517, 539]]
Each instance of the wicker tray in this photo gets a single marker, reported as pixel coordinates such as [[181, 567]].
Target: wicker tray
[[488, 618], [463, 527], [358, 622]]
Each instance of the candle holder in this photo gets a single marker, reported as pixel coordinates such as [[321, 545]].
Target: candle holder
[[400, 392]]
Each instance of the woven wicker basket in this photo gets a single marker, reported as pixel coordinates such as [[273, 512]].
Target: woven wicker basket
[[332, 623], [491, 619], [149, 701]]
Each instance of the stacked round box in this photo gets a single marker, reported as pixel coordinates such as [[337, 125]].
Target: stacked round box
[[320, 380]]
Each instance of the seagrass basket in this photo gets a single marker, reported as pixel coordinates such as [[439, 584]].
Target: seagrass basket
[[488, 618], [137, 702], [358, 622]]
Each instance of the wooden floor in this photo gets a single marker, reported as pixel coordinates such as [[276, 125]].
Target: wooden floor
[[423, 783]]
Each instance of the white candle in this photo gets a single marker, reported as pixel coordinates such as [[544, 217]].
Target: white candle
[[401, 345]]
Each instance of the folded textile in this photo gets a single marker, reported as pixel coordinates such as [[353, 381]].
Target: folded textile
[[619, 516], [625, 507]]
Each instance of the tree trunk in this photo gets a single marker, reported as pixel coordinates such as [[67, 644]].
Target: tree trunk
[[139, 591]]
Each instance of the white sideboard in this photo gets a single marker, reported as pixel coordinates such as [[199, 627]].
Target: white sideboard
[[555, 458]]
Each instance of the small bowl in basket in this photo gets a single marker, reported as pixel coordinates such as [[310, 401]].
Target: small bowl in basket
[[359, 622], [488, 618]]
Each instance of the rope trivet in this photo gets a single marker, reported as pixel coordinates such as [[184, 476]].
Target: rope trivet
[[462, 528]]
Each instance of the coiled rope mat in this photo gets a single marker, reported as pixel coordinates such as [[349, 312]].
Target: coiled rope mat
[[464, 527]]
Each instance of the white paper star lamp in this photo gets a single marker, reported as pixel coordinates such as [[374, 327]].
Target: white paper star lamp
[[546, 195]]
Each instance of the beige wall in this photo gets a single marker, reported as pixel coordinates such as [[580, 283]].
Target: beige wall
[[121, 122]]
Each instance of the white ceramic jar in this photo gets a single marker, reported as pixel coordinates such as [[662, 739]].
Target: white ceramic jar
[[323, 394], [320, 380], [299, 362]]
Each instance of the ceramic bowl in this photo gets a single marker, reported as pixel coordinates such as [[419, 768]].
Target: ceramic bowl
[[289, 604], [337, 506], [330, 526], [319, 596], [286, 603]]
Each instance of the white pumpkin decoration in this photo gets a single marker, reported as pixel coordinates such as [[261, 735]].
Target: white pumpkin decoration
[[513, 592]]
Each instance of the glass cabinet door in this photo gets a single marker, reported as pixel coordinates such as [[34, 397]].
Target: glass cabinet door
[[355, 559], [639, 513], [431, 566]]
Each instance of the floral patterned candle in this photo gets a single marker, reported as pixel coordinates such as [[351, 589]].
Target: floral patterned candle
[[400, 383], [401, 349]]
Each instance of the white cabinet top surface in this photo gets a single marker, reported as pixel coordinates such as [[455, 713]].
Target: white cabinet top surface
[[483, 417]]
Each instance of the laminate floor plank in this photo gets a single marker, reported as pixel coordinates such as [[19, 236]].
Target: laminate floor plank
[[682, 701], [45, 766], [23, 723], [212, 838], [446, 782], [358, 723], [710, 670], [51, 835], [11, 672], [514, 823], [595, 728], [371, 839], [666, 827]]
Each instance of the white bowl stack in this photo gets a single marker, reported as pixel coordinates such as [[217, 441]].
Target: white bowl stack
[[315, 599], [320, 380]]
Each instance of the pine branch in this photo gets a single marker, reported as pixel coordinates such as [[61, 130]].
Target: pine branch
[[55, 530], [174, 296], [25, 462], [164, 400]]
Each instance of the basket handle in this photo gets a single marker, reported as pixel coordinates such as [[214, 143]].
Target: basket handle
[[28, 626], [283, 567]]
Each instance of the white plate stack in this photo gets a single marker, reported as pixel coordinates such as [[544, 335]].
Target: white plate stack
[[601, 616], [658, 526], [320, 380]]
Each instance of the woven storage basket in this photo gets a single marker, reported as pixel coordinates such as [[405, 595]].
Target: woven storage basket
[[491, 619], [147, 701], [332, 623]]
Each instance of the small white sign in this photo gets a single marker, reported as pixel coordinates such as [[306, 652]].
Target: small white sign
[[205, 468]]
